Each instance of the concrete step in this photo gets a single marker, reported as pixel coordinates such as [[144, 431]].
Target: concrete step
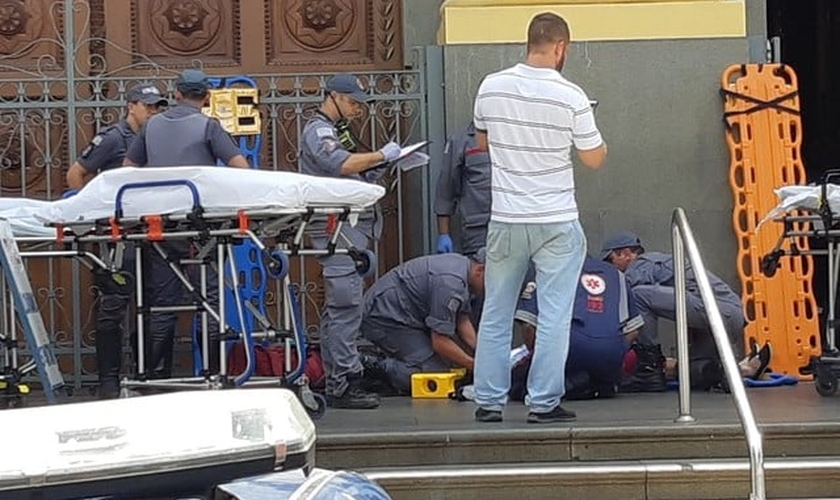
[[362, 450], [701, 479]]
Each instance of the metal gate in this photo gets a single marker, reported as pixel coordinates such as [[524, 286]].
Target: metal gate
[[57, 91]]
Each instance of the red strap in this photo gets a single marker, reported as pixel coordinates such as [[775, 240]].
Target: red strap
[[154, 227], [244, 222], [332, 224], [115, 229], [473, 151]]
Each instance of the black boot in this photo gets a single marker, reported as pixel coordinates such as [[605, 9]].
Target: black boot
[[108, 359], [374, 366], [355, 397], [650, 370], [159, 354], [109, 316], [375, 376]]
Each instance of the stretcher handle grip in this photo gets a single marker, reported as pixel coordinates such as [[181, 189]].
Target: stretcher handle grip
[[118, 206], [825, 209], [830, 174]]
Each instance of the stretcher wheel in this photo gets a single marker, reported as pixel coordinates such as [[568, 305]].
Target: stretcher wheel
[[365, 263], [314, 403], [826, 382], [277, 264], [321, 407], [770, 263]]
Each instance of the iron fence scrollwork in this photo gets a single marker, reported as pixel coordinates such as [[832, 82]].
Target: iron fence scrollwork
[[57, 91]]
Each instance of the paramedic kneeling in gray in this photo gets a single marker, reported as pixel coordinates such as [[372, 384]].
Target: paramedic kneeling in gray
[[418, 315]]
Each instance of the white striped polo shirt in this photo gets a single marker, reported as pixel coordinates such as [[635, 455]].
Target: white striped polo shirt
[[533, 117]]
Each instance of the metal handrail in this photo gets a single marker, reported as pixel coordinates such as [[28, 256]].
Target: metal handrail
[[682, 241]]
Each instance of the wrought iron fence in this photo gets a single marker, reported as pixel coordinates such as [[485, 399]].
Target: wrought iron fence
[[53, 106]]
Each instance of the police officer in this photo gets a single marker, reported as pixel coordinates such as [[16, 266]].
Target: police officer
[[106, 151], [604, 323], [418, 315], [330, 149], [651, 275], [463, 183], [181, 136]]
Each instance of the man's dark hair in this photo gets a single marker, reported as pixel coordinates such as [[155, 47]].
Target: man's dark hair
[[194, 95], [637, 250], [547, 28]]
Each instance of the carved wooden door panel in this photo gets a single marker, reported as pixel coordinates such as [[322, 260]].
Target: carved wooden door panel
[[256, 36]]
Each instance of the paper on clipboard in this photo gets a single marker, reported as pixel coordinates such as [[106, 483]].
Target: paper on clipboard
[[411, 157]]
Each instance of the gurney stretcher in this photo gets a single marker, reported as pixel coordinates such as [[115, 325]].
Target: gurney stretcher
[[817, 216], [214, 208]]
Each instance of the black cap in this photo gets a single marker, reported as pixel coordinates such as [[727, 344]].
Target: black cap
[[147, 94], [348, 84], [192, 81], [622, 239]]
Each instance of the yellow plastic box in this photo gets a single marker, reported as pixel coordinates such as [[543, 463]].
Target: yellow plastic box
[[435, 385]]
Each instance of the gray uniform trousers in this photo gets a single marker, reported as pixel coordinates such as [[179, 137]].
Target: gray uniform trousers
[[658, 301], [399, 368], [341, 316]]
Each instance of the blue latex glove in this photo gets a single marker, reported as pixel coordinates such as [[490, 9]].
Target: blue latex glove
[[69, 193], [444, 244], [391, 151]]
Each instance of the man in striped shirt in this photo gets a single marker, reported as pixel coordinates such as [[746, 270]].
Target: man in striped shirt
[[530, 118]]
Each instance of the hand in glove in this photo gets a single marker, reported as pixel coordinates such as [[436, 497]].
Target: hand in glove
[[391, 151], [444, 244]]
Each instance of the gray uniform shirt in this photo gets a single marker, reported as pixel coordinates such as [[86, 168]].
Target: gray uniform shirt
[[107, 149], [424, 294], [657, 268], [322, 154], [182, 136], [464, 183]]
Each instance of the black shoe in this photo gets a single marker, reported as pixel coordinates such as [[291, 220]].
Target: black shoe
[[354, 398], [644, 381], [482, 415], [650, 372], [374, 366], [764, 355], [606, 391], [558, 414]]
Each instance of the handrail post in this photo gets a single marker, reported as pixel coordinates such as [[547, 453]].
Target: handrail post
[[685, 244], [684, 375]]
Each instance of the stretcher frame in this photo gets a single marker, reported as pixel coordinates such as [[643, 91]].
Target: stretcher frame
[[820, 223], [287, 228]]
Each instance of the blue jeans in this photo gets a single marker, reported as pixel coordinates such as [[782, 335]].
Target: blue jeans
[[558, 251]]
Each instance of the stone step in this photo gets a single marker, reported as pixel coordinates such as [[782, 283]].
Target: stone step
[[701, 479], [362, 450]]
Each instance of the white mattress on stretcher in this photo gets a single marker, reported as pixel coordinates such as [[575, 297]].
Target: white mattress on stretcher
[[807, 198], [220, 190]]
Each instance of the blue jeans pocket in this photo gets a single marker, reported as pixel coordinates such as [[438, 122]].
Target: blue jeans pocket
[[563, 239], [498, 242]]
